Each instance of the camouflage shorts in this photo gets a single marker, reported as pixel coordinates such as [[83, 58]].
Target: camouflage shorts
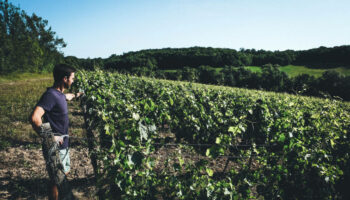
[[51, 154], [54, 165]]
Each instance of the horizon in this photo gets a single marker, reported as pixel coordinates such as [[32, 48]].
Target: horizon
[[109, 27]]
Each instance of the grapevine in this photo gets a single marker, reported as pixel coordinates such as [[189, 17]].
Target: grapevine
[[285, 146]]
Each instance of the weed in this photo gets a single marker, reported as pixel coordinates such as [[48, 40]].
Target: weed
[[4, 144]]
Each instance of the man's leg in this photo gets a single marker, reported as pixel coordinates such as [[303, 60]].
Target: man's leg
[[53, 165], [53, 192], [52, 189], [65, 189], [65, 160]]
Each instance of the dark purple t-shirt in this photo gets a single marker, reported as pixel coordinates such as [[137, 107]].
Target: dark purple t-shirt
[[56, 112]]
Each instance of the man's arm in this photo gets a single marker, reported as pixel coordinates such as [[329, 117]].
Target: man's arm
[[36, 122], [35, 118]]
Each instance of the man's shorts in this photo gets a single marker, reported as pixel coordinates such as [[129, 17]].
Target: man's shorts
[[65, 159], [57, 161]]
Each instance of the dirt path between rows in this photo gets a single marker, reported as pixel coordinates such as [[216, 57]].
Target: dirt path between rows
[[23, 174]]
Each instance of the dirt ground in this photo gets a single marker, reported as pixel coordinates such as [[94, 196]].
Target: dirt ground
[[23, 174]]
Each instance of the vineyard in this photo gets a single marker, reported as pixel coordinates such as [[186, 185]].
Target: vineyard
[[158, 139]]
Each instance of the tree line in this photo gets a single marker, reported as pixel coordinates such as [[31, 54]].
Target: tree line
[[27, 44], [177, 58], [330, 84]]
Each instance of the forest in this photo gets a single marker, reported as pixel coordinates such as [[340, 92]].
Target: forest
[[194, 57]]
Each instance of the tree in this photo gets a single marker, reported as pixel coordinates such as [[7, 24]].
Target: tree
[[189, 74], [273, 79], [330, 82], [229, 78], [207, 74], [26, 43]]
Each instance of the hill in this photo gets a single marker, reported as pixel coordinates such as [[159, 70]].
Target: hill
[[178, 58]]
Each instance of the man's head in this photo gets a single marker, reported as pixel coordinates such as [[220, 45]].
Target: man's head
[[63, 73]]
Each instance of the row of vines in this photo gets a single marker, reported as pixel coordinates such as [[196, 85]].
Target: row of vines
[[282, 146]]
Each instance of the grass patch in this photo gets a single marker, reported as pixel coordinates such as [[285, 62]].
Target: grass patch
[[24, 76], [169, 70], [253, 68], [18, 98], [292, 71]]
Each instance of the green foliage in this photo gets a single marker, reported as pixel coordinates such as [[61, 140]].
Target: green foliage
[[330, 84], [293, 147], [26, 43], [189, 74], [194, 57], [207, 75]]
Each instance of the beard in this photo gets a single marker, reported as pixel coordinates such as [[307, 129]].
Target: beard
[[66, 85]]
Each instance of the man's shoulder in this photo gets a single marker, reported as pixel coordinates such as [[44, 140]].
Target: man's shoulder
[[51, 98], [53, 92]]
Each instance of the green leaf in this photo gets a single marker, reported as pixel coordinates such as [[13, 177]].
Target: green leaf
[[209, 171], [235, 129], [121, 143], [181, 161], [207, 153], [332, 143], [221, 151], [282, 138], [106, 128], [231, 129], [152, 105]]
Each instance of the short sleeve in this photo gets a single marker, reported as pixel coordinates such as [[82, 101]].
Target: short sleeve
[[47, 101]]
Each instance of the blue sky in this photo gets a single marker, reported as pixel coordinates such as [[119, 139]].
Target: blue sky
[[100, 28]]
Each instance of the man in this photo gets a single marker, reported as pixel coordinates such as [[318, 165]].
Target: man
[[53, 107]]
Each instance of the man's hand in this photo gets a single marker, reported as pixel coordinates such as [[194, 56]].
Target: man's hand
[[59, 139], [70, 96]]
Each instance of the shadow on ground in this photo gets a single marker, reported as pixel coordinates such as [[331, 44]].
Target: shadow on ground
[[37, 188]]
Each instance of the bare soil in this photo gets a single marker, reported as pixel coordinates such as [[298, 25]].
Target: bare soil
[[23, 174]]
